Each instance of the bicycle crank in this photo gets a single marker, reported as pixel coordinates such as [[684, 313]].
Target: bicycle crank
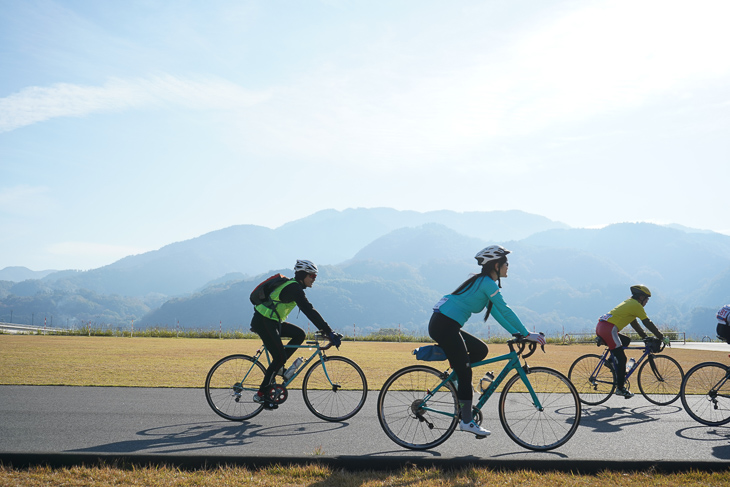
[[276, 393]]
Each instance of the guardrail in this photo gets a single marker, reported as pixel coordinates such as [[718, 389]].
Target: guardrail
[[16, 328], [674, 336]]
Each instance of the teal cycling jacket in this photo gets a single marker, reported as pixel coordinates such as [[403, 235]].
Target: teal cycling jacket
[[460, 307]]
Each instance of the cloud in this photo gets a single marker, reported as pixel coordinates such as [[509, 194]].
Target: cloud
[[37, 104]]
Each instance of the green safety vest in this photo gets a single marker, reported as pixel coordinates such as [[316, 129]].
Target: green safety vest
[[274, 309]]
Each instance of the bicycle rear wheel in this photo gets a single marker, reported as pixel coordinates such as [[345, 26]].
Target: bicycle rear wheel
[[335, 388], [408, 412], [660, 385], [231, 385], [706, 393], [548, 427], [594, 386]]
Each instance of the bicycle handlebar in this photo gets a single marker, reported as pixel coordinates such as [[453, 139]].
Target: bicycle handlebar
[[522, 342], [648, 340], [319, 334]]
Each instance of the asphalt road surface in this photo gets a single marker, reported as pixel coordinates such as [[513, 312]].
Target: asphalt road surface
[[71, 425]]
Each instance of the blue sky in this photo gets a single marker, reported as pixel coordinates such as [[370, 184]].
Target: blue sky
[[126, 126]]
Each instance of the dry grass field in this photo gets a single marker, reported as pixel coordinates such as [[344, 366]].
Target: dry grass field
[[184, 362]]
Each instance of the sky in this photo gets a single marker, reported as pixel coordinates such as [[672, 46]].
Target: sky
[[127, 126]]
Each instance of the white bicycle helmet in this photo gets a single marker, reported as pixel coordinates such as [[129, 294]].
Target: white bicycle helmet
[[306, 266], [493, 252]]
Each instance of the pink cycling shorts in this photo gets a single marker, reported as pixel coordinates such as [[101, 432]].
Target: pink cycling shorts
[[609, 333]]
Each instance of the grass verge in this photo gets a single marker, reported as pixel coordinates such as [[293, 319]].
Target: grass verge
[[323, 476]]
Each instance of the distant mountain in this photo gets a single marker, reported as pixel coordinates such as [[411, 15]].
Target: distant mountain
[[327, 237], [422, 244], [553, 287], [334, 236], [182, 267], [18, 274], [384, 268], [673, 260]]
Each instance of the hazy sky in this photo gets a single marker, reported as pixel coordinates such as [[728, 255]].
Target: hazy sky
[[126, 126]]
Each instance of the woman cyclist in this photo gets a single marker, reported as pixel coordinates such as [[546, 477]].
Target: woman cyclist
[[452, 312], [268, 323], [609, 325]]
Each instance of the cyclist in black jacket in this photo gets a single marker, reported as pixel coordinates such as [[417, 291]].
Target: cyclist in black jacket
[[268, 322]]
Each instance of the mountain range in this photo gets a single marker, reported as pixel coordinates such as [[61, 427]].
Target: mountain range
[[384, 268]]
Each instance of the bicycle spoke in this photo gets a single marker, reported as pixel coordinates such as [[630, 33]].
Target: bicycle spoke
[[706, 393], [546, 428], [406, 419], [231, 385], [660, 379], [594, 385], [335, 391]]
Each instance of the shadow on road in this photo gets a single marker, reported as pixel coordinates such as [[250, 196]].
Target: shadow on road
[[199, 437], [604, 419]]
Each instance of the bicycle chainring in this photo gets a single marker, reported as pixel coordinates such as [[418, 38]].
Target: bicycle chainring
[[277, 394]]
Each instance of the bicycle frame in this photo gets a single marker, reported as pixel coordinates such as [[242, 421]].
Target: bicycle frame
[[645, 349], [513, 363], [713, 392], [318, 352]]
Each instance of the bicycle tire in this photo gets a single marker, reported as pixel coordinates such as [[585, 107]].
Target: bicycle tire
[[700, 396], [592, 391], [337, 393], [402, 416], [540, 429], [231, 384], [664, 391]]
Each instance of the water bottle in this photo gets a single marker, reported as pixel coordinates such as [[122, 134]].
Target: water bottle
[[630, 365], [293, 368], [485, 381]]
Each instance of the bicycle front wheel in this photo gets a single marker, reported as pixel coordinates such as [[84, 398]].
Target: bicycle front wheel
[[594, 385], [547, 427], [335, 388], [662, 383], [231, 385], [706, 393], [411, 414]]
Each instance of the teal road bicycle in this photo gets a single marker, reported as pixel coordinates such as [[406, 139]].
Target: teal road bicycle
[[539, 408], [334, 388], [659, 376]]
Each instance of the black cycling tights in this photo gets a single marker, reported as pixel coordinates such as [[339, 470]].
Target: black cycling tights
[[460, 347], [620, 356], [269, 332]]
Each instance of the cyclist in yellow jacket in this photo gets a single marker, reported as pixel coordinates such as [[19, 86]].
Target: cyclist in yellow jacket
[[268, 322], [610, 324]]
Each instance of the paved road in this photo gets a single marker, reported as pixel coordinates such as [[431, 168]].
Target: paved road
[[72, 424]]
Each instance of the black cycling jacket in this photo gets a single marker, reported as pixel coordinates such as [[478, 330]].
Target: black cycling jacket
[[295, 292]]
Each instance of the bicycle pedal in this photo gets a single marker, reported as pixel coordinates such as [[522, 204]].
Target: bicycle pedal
[[480, 437], [271, 406]]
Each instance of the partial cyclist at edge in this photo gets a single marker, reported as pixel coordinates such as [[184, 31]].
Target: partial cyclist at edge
[[269, 324], [723, 323], [462, 348], [609, 325]]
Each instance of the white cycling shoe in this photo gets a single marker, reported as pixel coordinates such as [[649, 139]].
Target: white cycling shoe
[[474, 429]]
